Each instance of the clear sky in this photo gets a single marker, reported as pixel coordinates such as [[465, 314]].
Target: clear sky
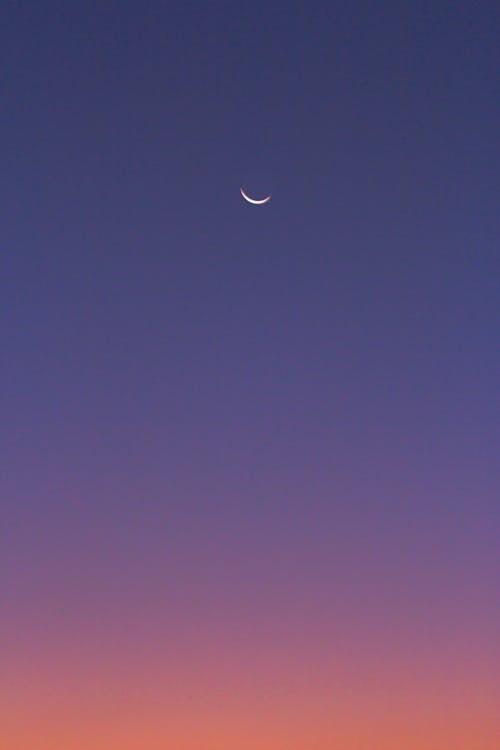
[[248, 483]]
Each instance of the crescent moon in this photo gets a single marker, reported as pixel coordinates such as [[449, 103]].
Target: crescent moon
[[252, 200]]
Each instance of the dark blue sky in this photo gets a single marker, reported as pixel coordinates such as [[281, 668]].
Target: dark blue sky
[[127, 132]]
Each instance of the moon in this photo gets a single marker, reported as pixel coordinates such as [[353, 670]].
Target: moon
[[252, 200]]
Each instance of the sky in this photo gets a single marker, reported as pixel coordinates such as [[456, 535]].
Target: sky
[[247, 453]]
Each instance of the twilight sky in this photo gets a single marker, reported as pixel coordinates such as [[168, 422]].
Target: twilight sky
[[248, 453]]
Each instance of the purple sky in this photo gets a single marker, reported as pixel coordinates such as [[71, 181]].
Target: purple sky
[[286, 409]]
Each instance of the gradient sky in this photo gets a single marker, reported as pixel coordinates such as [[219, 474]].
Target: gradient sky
[[248, 453]]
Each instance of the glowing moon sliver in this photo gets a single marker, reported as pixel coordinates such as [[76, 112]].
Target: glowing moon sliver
[[252, 200]]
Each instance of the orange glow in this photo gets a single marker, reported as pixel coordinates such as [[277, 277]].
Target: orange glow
[[191, 704]]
